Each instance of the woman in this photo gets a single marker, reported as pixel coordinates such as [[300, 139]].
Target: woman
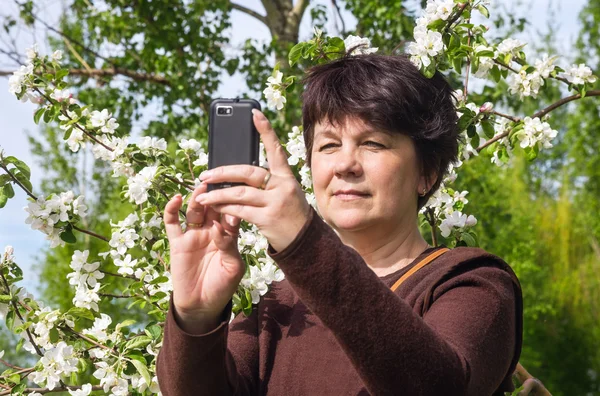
[[379, 139]]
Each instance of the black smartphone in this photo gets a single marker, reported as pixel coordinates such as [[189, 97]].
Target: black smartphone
[[232, 136]]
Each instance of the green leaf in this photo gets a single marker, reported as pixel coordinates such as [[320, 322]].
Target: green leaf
[[495, 72], [54, 335], [38, 114], [158, 245], [81, 313], [160, 279], [3, 198], [24, 180], [15, 379], [484, 11], [5, 298], [488, 129], [138, 342], [20, 344], [20, 165], [153, 331], [468, 238], [336, 44], [67, 235], [19, 389], [142, 369], [126, 323], [61, 73], [296, 53], [8, 189]]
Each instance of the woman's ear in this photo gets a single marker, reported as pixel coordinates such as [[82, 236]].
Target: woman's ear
[[425, 183]]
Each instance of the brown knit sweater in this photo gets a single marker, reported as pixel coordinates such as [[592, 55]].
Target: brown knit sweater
[[333, 327]]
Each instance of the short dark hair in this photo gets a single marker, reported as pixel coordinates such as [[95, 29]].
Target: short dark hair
[[389, 93]]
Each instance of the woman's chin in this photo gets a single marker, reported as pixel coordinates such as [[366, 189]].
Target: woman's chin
[[348, 221]]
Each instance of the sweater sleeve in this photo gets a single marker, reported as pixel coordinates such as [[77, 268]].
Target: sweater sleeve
[[463, 346], [220, 362]]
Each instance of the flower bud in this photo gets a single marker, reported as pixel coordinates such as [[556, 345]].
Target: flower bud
[[486, 107]]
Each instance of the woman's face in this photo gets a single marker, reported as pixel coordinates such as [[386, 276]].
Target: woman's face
[[363, 177]]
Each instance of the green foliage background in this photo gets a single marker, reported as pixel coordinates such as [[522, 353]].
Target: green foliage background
[[541, 217]]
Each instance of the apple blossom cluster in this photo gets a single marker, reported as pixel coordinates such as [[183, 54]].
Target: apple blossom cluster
[[579, 74], [57, 363], [194, 149], [428, 43], [447, 206], [274, 91], [536, 133], [50, 215], [85, 278], [356, 45], [138, 185], [297, 149], [260, 276]]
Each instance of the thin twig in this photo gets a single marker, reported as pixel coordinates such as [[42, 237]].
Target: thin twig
[[513, 119], [18, 182], [105, 239]]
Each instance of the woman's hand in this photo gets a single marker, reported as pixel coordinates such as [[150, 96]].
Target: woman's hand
[[206, 266], [272, 200]]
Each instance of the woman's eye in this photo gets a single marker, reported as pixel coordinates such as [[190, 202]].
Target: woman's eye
[[374, 144], [327, 146]]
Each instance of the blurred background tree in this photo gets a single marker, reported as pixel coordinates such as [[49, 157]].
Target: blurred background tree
[[170, 57]]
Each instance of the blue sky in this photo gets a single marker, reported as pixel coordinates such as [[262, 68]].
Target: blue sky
[[17, 117]]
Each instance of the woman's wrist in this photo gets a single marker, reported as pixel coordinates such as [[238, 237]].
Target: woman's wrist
[[197, 324]]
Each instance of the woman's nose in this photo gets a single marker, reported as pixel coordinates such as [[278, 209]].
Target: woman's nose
[[347, 163]]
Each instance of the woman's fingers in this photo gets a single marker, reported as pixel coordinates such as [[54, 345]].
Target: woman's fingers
[[195, 211], [230, 224], [171, 217], [243, 195], [247, 174], [275, 153]]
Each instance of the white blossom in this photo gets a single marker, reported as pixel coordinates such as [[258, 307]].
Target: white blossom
[[276, 79], [87, 298], [456, 220], [57, 362], [99, 327], [261, 275], [125, 265], [579, 75], [510, 46], [190, 145], [123, 240], [525, 84], [152, 143], [57, 55], [140, 184], [106, 374], [76, 140], [439, 9], [202, 159], [275, 100], [60, 95], [84, 391], [356, 45], [536, 132], [32, 53], [99, 118], [295, 146], [427, 44], [545, 65], [8, 254], [110, 126]]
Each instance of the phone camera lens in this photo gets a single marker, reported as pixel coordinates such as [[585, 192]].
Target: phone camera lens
[[220, 110]]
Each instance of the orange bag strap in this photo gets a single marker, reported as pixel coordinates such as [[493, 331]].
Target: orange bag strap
[[417, 267]]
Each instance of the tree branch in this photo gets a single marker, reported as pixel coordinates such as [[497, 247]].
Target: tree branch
[[250, 12], [113, 71], [539, 114], [563, 101]]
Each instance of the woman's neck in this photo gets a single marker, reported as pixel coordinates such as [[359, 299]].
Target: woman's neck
[[386, 252]]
